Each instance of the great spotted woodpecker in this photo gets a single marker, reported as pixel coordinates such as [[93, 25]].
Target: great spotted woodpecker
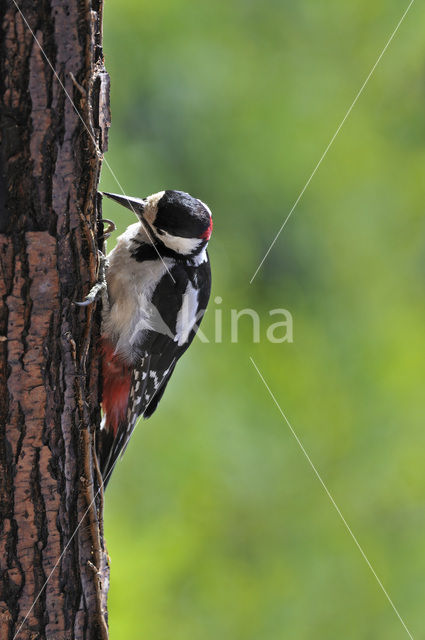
[[158, 284]]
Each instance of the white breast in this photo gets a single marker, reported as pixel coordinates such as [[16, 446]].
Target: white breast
[[130, 288]]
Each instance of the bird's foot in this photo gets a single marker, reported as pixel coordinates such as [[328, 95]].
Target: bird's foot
[[100, 286], [109, 229]]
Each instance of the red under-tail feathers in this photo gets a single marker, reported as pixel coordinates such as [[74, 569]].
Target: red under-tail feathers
[[116, 387]]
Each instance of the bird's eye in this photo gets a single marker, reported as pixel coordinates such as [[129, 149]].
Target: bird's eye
[[160, 231]]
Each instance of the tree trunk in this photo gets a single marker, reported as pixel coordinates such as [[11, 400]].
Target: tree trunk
[[53, 562]]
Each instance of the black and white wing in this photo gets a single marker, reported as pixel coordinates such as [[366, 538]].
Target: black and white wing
[[177, 307]]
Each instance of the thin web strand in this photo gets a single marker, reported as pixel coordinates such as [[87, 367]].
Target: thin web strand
[[331, 141], [114, 176], [55, 566], [328, 493]]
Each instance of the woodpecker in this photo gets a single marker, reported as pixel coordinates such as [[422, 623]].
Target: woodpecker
[[158, 283]]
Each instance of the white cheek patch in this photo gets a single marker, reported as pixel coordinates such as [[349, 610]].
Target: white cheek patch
[[187, 316], [184, 246]]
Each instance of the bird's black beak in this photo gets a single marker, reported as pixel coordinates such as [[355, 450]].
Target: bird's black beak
[[137, 205]]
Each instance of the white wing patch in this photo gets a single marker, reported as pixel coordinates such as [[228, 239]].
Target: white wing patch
[[187, 315], [153, 375]]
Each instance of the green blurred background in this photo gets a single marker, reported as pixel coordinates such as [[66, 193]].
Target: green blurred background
[[216, 525]]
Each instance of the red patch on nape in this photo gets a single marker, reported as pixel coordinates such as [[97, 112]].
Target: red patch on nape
[[207, 234], [116, 386]]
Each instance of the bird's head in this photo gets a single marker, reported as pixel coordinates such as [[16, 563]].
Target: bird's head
[[174, 218]]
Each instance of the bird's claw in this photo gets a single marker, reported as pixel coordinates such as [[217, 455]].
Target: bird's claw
[[109, 229], [90, 297], [98, 288], [93, 294]]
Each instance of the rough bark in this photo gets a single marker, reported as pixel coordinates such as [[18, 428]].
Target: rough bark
[[50, 160]]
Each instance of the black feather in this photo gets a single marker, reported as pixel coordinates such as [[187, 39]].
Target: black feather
[[158, 355]]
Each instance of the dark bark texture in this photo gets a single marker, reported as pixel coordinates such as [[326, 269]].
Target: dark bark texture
[[53, 562]]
